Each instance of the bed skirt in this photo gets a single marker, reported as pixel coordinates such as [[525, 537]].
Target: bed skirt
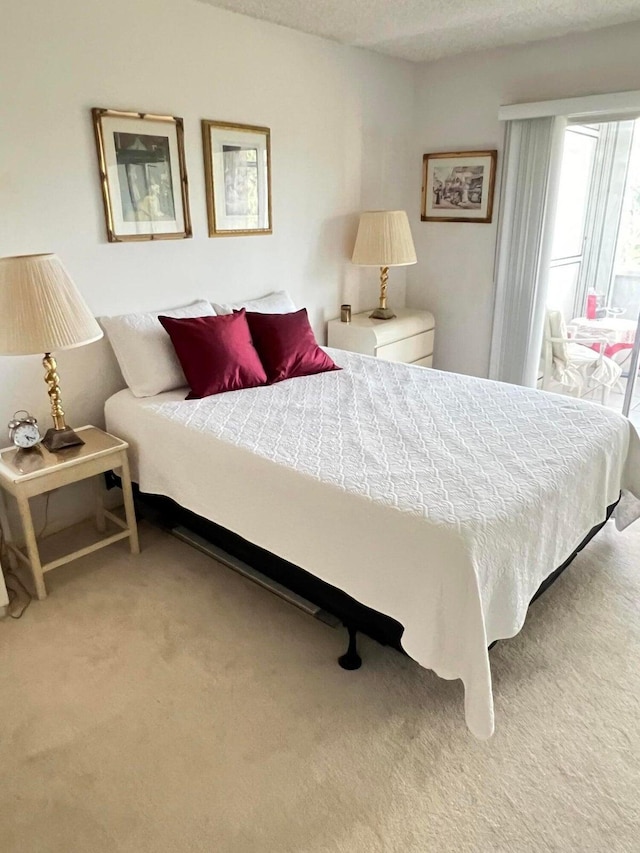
[[355, 616]]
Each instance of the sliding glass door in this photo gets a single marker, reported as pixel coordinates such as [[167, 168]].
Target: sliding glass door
[[632, 376], [624, 286], [567, 254]]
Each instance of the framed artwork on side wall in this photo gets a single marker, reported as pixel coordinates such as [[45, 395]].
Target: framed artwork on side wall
[[458, 186], [237, 166], [143, 175]]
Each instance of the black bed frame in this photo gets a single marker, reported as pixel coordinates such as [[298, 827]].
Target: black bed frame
[[165, 513]]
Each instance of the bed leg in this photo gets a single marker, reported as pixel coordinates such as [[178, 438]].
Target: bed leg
[[351, 659]]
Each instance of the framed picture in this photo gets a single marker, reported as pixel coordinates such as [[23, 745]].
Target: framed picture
[[458, 187], [143, 175], [237, 165]]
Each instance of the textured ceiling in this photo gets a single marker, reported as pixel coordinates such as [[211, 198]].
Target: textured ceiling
[[422, 30]]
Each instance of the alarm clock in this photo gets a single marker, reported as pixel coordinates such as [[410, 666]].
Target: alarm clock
[[23, 430]]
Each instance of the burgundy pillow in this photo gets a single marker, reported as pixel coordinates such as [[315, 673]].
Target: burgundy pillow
[[216, 353], [287, 346]]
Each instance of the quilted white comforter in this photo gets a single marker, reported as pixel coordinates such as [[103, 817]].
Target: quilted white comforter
[[441, 500]]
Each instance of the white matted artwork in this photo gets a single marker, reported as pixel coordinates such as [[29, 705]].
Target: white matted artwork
[[237, 162], [143, 175], [458, 186]]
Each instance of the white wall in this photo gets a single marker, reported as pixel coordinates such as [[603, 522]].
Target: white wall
[[341, 123], [457, 110]]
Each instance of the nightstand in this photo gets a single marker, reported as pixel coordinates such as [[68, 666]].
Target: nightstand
[[26, 473], [407, 337]]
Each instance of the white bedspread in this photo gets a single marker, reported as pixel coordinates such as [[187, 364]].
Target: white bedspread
[[440, 500]]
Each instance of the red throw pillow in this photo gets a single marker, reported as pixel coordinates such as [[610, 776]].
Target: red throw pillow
[[287, 346], [216, 353]]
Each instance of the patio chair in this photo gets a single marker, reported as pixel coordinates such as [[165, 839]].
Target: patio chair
[[575, 366]]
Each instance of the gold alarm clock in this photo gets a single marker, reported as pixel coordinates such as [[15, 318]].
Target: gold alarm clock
[[23, 430]]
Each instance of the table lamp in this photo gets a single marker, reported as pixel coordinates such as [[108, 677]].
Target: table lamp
[[383, 240], [42, 311]]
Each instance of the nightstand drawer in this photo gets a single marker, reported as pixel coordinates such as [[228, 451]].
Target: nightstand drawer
[[424, 362], [408, 349]]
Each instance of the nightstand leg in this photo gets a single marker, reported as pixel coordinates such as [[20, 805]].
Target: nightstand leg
[[98, 485], [6, 531], [129, 507], [32, 546]]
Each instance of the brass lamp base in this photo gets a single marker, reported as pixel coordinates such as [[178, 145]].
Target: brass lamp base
[[382, 314], [58, 439], [60, 435]]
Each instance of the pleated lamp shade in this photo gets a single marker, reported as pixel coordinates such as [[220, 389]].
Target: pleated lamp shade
[[41, 309], [384, 240]]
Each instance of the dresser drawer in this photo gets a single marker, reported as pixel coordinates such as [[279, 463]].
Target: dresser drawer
[[424, 362], [408, 349]]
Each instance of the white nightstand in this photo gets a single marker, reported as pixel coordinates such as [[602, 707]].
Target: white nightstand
[[408, 337], [25, 473]]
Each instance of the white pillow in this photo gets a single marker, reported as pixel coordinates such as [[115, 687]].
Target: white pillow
[[144, 350], [275, 303]]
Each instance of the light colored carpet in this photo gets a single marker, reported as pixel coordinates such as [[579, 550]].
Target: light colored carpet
[[163, 703]]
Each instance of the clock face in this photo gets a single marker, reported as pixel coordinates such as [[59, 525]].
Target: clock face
[[26, 435]]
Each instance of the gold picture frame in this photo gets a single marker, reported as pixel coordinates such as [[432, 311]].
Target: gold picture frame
[[143, 175], [458, 186], [237, 167]]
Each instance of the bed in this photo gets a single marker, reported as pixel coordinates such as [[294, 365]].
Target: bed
[[441, 501]]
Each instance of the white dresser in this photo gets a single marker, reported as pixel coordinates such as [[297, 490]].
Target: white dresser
[[407, 337]]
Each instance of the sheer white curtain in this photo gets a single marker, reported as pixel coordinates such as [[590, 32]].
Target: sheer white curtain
[[533, 152]]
